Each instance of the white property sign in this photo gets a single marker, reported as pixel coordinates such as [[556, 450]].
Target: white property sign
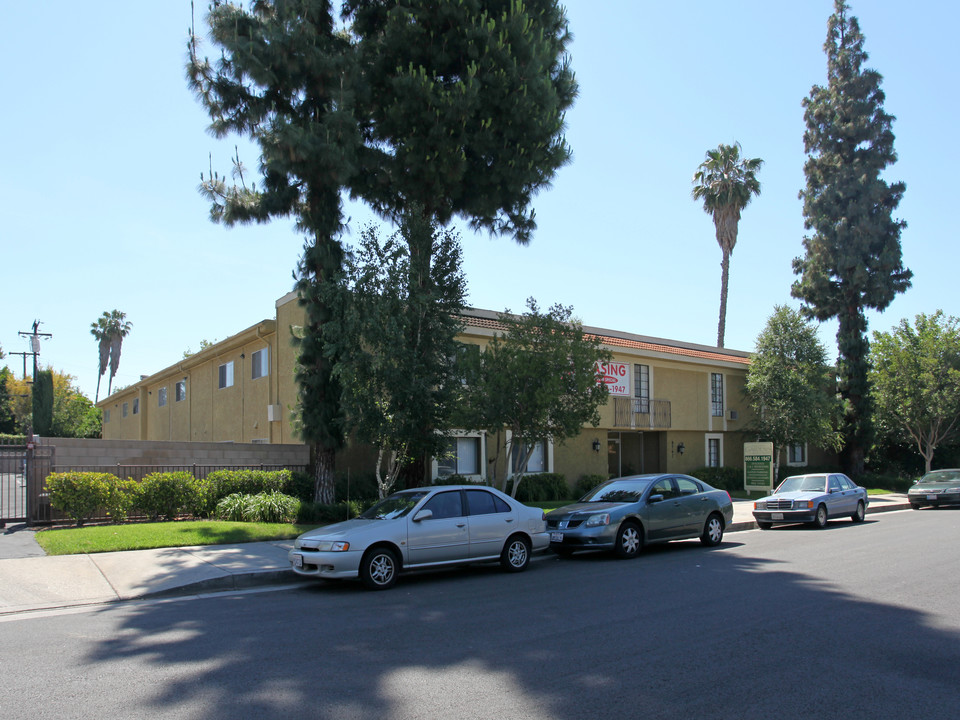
[[616, 376]]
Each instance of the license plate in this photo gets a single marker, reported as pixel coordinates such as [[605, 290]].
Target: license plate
[[776, 516], [931, 497], [298, 561], [556, 537]]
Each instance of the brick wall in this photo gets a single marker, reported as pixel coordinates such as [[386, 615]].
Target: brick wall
[[75, 452]]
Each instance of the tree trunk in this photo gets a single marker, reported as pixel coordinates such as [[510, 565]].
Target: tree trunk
[[323, 475], [724, 279]]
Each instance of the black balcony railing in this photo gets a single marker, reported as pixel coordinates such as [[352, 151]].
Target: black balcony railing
[[641, 413]]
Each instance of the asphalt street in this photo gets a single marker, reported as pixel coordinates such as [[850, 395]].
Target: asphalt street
[[854, 621]]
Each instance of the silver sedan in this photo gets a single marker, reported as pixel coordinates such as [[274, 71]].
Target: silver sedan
[[625, 514], [420, 528]]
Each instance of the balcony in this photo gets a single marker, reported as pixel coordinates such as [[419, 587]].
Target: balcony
[[639, 414]]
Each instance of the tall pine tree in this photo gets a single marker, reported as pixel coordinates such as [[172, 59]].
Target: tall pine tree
[[853, 258], [455, 107]]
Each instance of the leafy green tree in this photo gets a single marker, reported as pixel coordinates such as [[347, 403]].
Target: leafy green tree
[[8, 423], [725, 183], [42, 400], [789, 386], [204, 344], [395, 340], [72, 412], [538, 380], [455, 106], [853, 257], [915, 382]]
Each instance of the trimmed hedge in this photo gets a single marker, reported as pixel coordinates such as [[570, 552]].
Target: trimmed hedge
[[79, 495], [540, 487], [586, 483], [221, 483], [167, 495], [722, 478]]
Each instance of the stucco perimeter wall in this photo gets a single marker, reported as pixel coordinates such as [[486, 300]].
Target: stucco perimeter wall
[[71, 452]]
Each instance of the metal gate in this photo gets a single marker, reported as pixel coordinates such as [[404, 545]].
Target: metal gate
[[23, 470]]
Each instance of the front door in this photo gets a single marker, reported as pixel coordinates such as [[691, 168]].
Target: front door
[[443, 537]]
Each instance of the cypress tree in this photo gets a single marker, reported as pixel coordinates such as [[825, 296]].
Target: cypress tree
[[43, 402], [853, 257]]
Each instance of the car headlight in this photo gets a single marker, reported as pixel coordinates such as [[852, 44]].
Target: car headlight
[[759, 505], [333, 546], [802, 504], [597, 520]]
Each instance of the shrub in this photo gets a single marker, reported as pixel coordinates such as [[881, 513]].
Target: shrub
[[122, 498], [220, 483], [586, 483], [166, 495], [318, 513], [722, 478], [80, 494], [268, 507], [539, 487], [300, 486]]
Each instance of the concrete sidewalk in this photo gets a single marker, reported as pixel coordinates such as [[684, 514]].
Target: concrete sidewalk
[[31, 580]]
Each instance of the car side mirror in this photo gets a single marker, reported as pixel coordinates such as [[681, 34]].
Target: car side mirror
[[655, 498], [423, 515]]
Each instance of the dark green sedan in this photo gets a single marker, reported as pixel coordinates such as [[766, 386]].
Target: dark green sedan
[[940, 487]]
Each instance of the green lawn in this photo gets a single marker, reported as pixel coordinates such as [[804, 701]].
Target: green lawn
[[142, 536]]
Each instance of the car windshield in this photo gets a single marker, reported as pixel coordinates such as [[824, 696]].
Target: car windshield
[[802, 483], [395, 506], [625, 491], [941, 476]]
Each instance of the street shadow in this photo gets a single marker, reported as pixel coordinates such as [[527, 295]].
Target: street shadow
[[682, 631]]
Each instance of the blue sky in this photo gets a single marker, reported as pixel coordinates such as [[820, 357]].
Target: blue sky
[[104, 145]]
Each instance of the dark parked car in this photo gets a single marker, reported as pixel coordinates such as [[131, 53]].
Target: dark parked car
[[936, 488], [814, 498], [625, 514]]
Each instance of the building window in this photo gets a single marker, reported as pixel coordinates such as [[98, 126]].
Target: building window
[[714, 450], [136, 406], [716, 394], [538, 461], [796, 454], [106, 416], [180, 390], [641, 389], [126, 409], [461, 456], [260, 364], [161, 397], [226, 376]]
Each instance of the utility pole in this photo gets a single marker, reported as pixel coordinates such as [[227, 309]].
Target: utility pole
[[34, 346]]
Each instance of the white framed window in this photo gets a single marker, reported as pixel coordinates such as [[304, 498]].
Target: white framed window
[[464, 455], [125, 410], [716, 394], [180, 391], [225, 375], [106, 416], [641, 389], [714, 450], [260, 364], [540, 461], [162, 397], [136, 406], [797, 454]]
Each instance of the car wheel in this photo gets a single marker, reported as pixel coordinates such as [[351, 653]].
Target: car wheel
[[629, 540], [821, 519], [516, 554], [764, 525], [915, 506], [712, 531], [379, 568], [860, 513]]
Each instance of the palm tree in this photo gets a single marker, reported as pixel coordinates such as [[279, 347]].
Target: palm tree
[[110, 329], [725, 183], [101, 331]]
